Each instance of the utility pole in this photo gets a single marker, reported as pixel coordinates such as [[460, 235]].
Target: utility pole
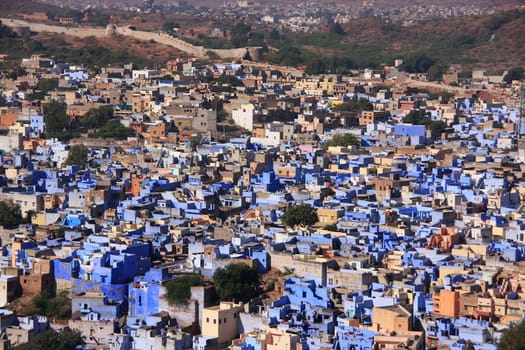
[[519, 138], [522, 100]]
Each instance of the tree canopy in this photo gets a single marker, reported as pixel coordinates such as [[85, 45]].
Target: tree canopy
[[229, 80], [178, 291], [343, 141], [55, 117], [513, 338], [114, 129], [437, 127], [354, 105], [97, 117], [301, 214], [418, 63], [10, 214], [236, 282], [515, 73], [337, 28], [58, 307], [50, 339], [435, 72], [78, 155], [170, 26]]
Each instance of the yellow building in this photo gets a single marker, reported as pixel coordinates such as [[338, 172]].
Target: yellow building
[[392, 319], [221, 321], [329, 216]]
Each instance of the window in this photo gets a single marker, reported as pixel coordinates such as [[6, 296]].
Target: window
[[140, 300], [207, 320], [225, 320], [214, 321]]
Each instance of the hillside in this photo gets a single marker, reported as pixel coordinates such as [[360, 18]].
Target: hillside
[[91, 51], [492, 42]]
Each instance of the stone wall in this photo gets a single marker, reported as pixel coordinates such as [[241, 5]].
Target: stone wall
[[300, 265], [161, 38]]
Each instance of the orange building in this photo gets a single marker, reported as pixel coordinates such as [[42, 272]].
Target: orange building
[[445, 239], [8, 116], [136, 184], [446, 303]]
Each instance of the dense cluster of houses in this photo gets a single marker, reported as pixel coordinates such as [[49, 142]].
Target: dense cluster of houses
[[418, 244]]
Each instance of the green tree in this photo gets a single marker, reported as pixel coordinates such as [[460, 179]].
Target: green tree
[[17, 72], [446, 96], [513, 338], [43, 87], [169, 27], [354, 105], [288, 55], [419, 117], [515, 73], [178, 291], [55, 117], [331, 227], [46, 85], [274, 35], [337, 29], [58, 307], [301, 214], [50, 339], [78, 155], [435, 72], [317, 66], [344, 140], [194, 143], [237, 282], [114, 129], [240, 34], [418, 63], [10, 214], [231, 80], [222, 115], [96, 117], [5, 31]]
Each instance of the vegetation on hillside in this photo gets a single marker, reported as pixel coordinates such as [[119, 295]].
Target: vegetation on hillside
[[474, 41], [370, 42], [91, 53]]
